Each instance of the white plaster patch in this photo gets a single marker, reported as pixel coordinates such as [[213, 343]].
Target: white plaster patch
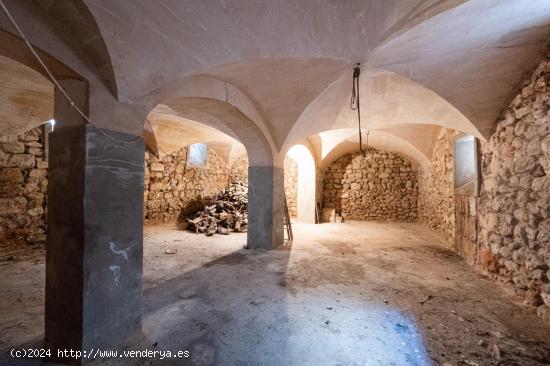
[[122, 252], [116, 273]]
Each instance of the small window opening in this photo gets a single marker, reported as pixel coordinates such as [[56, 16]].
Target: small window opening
[[466, 165], [197, 156], [48, 128]]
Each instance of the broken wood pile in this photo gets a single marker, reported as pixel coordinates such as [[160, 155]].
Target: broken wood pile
[[226, 213]]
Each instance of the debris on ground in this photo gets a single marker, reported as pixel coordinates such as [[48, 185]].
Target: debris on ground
[[227, 212], [426, 299]]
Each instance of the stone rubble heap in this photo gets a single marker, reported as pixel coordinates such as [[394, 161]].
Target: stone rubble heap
[[23, 186], [378, 185]]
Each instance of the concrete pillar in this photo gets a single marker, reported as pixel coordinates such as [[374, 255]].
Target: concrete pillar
[[265, 207], [94, 246]]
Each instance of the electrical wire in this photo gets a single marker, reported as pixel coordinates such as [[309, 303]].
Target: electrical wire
[[56, 83], [355, 103]]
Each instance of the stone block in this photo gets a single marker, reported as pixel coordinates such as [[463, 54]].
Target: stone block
[[35, 151], [10, 175], [39, 174], [31, 135], [36, 211], [156, 187], [15, 147], [24, 161], [41, 164], [157, 167], [12, 206]]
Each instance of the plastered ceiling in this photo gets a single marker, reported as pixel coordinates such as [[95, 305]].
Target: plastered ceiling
[[26, 98], [272, 74]]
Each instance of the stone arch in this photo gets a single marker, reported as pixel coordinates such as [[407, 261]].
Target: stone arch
[[336, 143], [205, 90], [15, 49], [306, 187], [76, 42], [229, 120], [387, 99], [264, 179], [375, 185], [287, 29]]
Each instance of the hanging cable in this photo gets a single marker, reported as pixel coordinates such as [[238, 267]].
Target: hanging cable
[[355, 103], [55, 82]]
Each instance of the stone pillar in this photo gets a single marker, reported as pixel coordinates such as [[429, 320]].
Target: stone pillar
[[94, 245], [265, 207]]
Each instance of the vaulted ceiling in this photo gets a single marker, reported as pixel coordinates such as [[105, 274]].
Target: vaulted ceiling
[[286, 65]]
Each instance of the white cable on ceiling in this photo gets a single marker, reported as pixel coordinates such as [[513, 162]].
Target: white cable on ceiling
[[56, 83]]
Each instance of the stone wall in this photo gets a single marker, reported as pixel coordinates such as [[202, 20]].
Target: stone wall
[[436, 202], [515, 197], [291, 186], [239, 169], [466, 227], [379, 185], [23, 185], [171, 187]]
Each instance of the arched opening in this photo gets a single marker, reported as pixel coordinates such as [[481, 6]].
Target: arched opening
[[188, 164], [300, 184], [265, 185], [26, 106], [377, 185], [372, 288], [185, 269]]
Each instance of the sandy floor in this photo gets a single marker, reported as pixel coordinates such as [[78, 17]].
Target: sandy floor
[[344, 294]]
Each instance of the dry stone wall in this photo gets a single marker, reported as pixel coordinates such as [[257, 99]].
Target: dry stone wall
[[506, 230], [173, 188], [379, 185], [239, 172], [23, 186], [515, 197], [291, 186], [239, 169], [436, 201]]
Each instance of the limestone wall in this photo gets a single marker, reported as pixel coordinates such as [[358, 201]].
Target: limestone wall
[[506, 230], [291, 186], [171, 186], [239, 169], [377, 186], [23, 185], [436, 202], [515, 197]]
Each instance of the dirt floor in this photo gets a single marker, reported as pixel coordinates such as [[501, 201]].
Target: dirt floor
[[343, 294]]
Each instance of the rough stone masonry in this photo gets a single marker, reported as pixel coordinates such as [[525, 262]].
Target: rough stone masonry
[[512, 240], [378, 185], [436, 200], [23, 185], [239, 172], [514, 203], [172, 187]]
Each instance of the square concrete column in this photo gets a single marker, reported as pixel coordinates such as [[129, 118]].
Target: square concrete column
[[265, 207], [94, 245]]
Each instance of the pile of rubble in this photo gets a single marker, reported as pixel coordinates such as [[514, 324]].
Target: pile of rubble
[[226, 213]]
